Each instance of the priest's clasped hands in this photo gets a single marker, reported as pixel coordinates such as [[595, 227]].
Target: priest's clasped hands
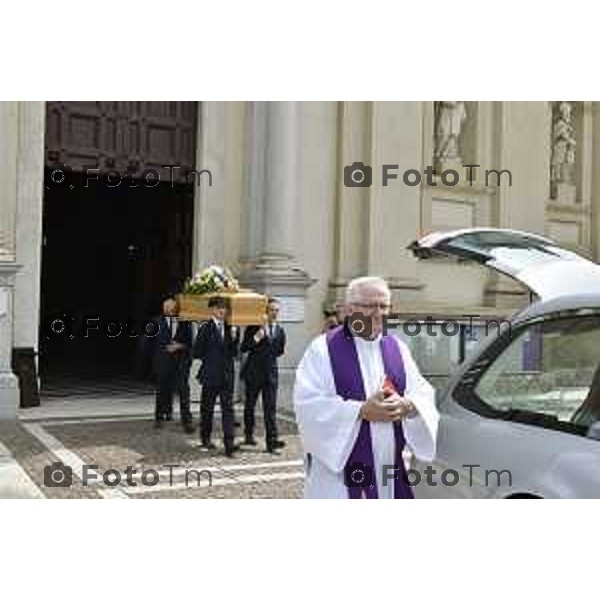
[[382, 406]]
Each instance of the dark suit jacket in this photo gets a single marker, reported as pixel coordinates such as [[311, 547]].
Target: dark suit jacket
[[163, 361], [217, 355], [261, 365]]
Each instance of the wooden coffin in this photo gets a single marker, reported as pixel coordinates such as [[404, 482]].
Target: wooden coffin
[[244, 307]]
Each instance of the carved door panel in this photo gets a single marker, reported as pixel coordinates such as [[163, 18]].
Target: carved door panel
[[134, 136]]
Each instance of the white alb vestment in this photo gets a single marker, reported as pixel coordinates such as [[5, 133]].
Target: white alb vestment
[[329, 424]]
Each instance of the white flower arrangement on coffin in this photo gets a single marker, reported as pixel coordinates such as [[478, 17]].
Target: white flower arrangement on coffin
[[244, 306], [212, 280]]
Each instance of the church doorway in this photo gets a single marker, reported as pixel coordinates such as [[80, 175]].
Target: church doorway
[[111, 252]]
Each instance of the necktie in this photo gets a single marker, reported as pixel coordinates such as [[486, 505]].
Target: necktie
[[221, 332], [173, 327], [271, 329]]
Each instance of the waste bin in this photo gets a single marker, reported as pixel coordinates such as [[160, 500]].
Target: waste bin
[[23, 366]]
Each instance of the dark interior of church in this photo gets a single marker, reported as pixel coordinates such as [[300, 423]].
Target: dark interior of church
[[117, 231], [110, 255]]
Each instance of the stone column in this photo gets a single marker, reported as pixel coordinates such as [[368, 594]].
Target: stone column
[[281, 184], [252, 208], [9, 146], [217, 197], [9, 386], [352, 206], [209, 205], [274, 269], [30, 188]]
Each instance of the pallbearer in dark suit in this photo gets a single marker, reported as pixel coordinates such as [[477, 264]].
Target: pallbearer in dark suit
[[217, 345], [172, 359], [260, 374]]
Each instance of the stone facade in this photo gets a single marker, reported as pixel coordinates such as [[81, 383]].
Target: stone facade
[[280, 214]]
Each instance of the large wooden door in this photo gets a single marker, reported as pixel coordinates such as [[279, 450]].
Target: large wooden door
[[123, 135]]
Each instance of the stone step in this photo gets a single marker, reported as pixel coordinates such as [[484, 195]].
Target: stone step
[[14, 482]]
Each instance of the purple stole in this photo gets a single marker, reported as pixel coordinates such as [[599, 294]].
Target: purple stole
[[349, 385]]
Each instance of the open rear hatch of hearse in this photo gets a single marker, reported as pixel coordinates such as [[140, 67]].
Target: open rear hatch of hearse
[[539, 263]]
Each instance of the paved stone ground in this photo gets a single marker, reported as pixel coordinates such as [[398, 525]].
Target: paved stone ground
[[121, 441]]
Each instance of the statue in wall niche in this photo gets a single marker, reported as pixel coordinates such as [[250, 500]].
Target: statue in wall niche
[[564, 144], [449, 119]]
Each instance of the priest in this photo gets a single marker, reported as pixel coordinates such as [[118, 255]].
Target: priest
[[360, 400]]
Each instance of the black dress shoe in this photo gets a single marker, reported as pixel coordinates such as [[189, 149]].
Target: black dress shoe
[[250, 441], [208, 445], [278, 444], [169, 417], [188, 427], [231, 450]]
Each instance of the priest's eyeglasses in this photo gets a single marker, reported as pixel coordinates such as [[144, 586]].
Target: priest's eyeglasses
[[374, 305]]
